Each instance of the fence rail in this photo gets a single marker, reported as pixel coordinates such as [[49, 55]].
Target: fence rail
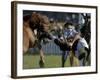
[[48, 48], [51, 48]]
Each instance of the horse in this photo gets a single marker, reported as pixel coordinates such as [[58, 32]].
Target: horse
[[35, 28], [86, 33]]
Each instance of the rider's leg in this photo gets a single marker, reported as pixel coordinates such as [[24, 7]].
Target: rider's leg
[[64, 48], [64, 57]]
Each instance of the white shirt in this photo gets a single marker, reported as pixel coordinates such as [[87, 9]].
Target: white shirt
[[82, 43]]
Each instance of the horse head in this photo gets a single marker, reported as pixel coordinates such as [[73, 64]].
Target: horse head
[[40, 24]]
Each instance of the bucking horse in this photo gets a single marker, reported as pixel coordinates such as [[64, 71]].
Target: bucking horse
[[35, 29]]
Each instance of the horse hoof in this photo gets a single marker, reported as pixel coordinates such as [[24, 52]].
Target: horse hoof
[[81, 56], [41, 63]]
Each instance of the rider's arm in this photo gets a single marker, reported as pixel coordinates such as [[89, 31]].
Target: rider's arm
[[77, 36]]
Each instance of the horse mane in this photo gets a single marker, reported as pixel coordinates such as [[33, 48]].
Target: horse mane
[[26, 17], [36, 20]]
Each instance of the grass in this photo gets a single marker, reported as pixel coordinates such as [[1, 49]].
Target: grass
[[32, 61], [51, 61]]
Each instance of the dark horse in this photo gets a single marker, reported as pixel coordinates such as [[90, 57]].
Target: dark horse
[[35, 29], [86, 33]]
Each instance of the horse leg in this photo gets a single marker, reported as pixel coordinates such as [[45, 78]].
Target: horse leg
[[83, 56], [63, 58], [41, 62], [85, 63]]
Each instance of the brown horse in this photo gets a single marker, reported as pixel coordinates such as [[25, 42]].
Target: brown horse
[[33, 26]]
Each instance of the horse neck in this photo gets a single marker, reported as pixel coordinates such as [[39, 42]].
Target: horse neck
[[31, 35]]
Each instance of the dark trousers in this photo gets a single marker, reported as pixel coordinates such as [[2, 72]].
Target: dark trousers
[[64, 47]]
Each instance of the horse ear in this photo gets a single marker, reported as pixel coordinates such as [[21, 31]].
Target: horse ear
[[34, 19]]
